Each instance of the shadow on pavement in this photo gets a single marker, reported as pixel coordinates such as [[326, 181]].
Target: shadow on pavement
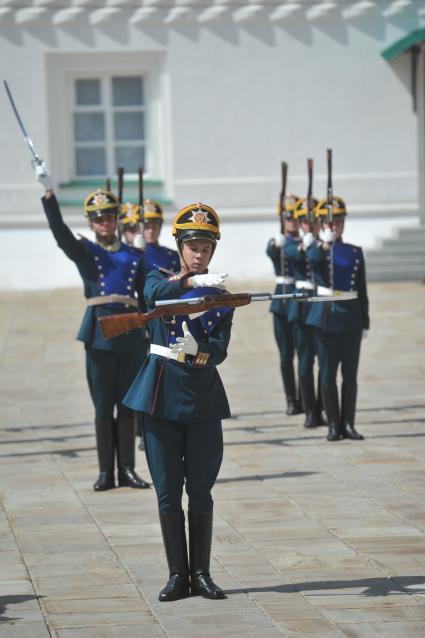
[[374, 587], [264, 477], [13, 600]]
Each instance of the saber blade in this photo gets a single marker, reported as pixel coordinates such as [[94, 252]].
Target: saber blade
[[37, 158]]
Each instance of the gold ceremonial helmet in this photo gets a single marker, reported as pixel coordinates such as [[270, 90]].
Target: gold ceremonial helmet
[[290, 203], [338, 207], [130, 215], [151, 212], [100, 202], [301, 210], [196, 221]]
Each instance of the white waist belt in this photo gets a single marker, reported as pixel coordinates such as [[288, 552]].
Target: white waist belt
[[284, 280], [325, 292], [113, 298], [306, 285], [168, 353]]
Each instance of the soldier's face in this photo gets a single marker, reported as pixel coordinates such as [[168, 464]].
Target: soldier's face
[[291, 225], [197, 254], [151, 232], [338, 227], [130, 234], [104, 226]]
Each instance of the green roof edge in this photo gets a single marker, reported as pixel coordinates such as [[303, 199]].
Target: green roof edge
[[400, 46]]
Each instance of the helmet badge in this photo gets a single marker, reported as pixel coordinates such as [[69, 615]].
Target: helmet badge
[[99, 200], [200, 216]]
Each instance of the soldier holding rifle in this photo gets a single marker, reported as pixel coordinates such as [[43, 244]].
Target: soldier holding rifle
[[338, 326], [149, 214], [183, 402], [285, 283], [297, 313]]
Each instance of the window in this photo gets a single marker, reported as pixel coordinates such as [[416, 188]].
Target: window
[[109, 128]]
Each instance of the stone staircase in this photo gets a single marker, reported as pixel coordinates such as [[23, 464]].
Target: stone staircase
[[399, 258]]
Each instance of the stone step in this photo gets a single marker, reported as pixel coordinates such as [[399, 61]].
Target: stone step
[[394, 274], [399, 248]]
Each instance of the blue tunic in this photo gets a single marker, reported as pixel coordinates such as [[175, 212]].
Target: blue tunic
[[156, 256], [282, 267], [188, 391], [348, 275], [301, 271], [103, 273]]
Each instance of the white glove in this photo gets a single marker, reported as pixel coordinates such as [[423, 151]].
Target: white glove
[[364, 334], [327, 235], [213, 280], [187, 343], [43, 177], [138, 241], [279, 240], [308, 239]]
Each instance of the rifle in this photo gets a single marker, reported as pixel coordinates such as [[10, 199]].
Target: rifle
[[310, 205], [329, 206], [120, 186], [282, 197], [36, 158], [115, 325], [141, 200], [108, 184]]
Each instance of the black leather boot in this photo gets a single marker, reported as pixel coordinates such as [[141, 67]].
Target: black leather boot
[[348, 412], [105, 453], [330, 398], [288, 377], [174, 537], [309, 401], [125, 442], [320, 408], [200, 537], [139, 430]]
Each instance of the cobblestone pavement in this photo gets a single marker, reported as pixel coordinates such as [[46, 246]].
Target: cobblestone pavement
[[311, 538]]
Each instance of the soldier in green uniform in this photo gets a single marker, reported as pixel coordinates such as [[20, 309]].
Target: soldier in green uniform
[[183, 402], [338, 325], [112, 274], [285, 283]]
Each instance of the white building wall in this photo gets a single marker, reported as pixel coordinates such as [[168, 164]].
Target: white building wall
[[228, 101]]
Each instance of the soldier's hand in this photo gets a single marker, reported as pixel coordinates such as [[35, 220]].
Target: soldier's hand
[[279, 240], [187, 343], [215, 280], [308, 240], [327, 235], [43, 177], [138, 241]]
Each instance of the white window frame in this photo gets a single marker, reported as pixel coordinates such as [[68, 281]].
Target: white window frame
[[63, 69], [108, 109]]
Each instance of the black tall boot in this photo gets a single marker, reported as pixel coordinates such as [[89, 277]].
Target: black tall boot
[[174, 537], [288, 378], [200, 537], [320, 408], [348, 412], [309, 401], [125, 445], [105, 453], [330, 398]]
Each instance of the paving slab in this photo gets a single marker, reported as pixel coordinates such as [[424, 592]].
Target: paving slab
[[311, 538]]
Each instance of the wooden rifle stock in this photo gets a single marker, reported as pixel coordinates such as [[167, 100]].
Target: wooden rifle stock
[[310, 212], [115, 325]]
